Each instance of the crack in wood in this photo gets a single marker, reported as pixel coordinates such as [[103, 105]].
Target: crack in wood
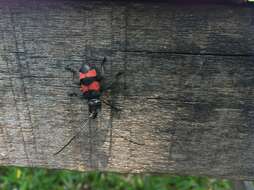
[[20, 70], [185, 53], [184, 67]]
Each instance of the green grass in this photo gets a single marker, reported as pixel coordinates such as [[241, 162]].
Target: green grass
[[12, 178]]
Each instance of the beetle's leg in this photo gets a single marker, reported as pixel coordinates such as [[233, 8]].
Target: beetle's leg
[[111, 105], [73, 71]]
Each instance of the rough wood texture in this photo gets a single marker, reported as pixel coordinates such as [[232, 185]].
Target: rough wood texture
[[186, 94]]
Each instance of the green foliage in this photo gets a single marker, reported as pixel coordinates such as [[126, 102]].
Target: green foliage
[[41, 179]]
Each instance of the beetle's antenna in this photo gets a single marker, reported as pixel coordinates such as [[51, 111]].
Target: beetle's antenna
[[76, 135]]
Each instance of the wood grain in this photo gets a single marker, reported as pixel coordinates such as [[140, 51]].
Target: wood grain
[[186, 90]]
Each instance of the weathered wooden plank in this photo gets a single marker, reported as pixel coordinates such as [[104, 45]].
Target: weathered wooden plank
[[186, 93], [201, 105], [190, 29]]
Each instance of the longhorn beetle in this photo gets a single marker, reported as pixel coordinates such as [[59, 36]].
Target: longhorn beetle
[[94, 105]]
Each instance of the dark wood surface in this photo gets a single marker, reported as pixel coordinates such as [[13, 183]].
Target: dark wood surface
[[185, 93]]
